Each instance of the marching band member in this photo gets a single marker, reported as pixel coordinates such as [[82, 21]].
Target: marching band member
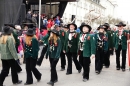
[[101, 47], [44, 50], [110, 45], [71, 48], [62, 38], [54, 49], [87, 49], [8, 56], [120, 39], [31, 55]]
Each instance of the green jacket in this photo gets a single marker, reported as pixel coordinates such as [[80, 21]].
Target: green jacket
[[32, 50], [54, 50], [62, 38], [89, 46], [105, 44], [110, 39], [74, 43], [123, 38], [45, 39], [8, 50], [15, 35]]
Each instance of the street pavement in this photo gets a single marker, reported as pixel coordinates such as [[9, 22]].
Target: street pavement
[[108, 77]]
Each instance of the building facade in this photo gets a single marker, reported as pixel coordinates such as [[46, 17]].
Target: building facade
[[84, 11]]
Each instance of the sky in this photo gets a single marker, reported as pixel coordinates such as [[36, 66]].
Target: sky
[[123, 9]]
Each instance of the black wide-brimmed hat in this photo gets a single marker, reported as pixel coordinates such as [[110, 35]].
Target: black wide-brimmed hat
[[106, 24], [55, 32], [101, 27], [85, 25], [121, 24], [73, 25], [7, 30], [10, 25], [65, 26], [30, 32]]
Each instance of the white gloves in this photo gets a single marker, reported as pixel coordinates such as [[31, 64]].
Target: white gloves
[[92, 56]]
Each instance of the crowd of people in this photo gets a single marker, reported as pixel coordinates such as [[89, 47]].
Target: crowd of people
[[60, 42]]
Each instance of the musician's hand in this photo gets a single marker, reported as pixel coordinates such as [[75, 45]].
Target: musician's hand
[[64, 51], [40, 41]]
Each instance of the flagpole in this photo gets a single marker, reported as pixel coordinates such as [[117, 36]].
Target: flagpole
[[39, 13]]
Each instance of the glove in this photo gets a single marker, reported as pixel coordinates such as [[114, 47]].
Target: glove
[[92, 56]]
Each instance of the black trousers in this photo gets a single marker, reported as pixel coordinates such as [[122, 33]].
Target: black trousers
[[86, 67], [17, 66], [107, 58], [53, 69], [81, 58], [99, 60], [39, 61], [118, 57], [31, 67], [73, 56], [63, 60], [6, 64]]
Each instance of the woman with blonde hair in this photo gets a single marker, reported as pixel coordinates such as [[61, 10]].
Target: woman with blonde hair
[[54, 49], [31, 55], [8, 56]]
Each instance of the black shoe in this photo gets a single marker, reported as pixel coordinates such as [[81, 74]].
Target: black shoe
[[68, 73], [123, 70], [28, 83], [117, 68], [19, 71], [38, 80], [97, 72], [62, 69], [51, 83], [38, 64], [19, 82], [79, 71], [55, 81]]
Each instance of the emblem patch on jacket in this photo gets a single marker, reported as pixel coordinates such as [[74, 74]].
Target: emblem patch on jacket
[[88, 38]]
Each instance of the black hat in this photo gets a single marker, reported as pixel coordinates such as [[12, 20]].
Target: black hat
[[72, 24], [101, 27], [30, 32], [82, 23], [85, 25], [106, 24], [55, 32], [121, 24], [10, 25], [7, 30], [65, 26]]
